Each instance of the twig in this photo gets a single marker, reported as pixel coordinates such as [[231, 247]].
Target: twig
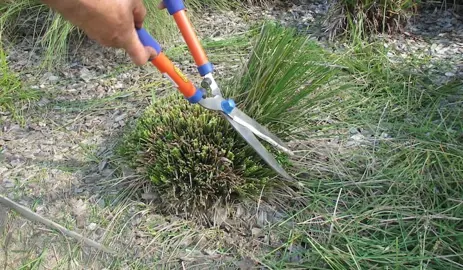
[[25, 212], [334, 215]]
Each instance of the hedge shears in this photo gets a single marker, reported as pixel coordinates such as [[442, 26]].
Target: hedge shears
[[242, 123]]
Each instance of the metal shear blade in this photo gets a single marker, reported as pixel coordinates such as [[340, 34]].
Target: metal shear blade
[[244, 120], [245, 125], [258, 147]]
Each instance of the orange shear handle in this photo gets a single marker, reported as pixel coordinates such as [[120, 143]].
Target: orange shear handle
[[176, 8], [169, 70]]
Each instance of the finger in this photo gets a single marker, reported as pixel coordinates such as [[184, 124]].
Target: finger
[[151, 52], [139, 13], [137, 52], [161, 5]]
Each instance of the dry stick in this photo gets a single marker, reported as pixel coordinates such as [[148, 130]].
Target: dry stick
[[334, 215], [25, 212]]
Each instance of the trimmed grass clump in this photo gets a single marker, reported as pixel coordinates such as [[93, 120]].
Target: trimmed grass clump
[[359, 18], [192, 157]]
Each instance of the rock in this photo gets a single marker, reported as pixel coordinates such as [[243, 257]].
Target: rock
[[85, 74], [3, 170], [92, 226], [8, 183], [15, 162], [449, 74], [107, 172], [119, 85], [149, 196], [354, 130], [261, 219], [53, 78], [256, 232], [120, 117], [358, 137]]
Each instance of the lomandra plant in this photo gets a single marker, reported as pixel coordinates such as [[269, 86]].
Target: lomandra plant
[[285, 80], [357, 18], [192, 157]]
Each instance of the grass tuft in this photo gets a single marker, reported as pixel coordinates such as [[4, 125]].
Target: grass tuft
[[394, 199], [285, 80], [13, 95], [359, 18]]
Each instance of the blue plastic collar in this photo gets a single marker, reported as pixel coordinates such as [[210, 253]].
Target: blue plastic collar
[[174, 6], [205, 69], [196, 97], [228, 105]]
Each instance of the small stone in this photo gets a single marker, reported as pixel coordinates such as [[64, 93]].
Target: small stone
[[449, 74], [85, 74], [239, 211], [107, 172], [210, 252], [53, 78], [256, 232], [102, 165], [119, 85], [15, 162], [385, 135], [354, 130], [120, 117], [262, 219], [148, 196], [8, 183], [358, 137], [92, 226], [43, 102]]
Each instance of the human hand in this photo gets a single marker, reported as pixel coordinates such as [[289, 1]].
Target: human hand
[[111, 23]]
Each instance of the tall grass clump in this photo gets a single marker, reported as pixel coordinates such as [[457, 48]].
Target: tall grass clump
[[192, 157], [359, 18], [394, 200], [285, 81], [48, 29]]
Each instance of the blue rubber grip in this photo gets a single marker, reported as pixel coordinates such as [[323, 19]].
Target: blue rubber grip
[[147, 40], [174, 6]]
